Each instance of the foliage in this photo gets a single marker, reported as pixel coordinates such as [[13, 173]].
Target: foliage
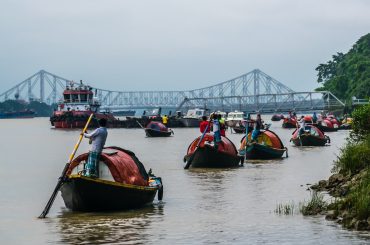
[[41, 109], [315, 205], [353, 157], [348, 75], [285, 209], [361, 122], [358, 200]]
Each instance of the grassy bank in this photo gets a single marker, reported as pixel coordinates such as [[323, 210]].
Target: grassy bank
[[350, 183]]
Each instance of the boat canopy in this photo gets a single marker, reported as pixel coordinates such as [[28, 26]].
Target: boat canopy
[[310, 129], [267, 138], [157, 126], [124, 166], [226, 146]]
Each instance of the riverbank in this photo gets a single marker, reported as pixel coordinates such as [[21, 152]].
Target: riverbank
[[350, 183]]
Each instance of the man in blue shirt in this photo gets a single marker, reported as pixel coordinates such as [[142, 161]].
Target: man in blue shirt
[[97, 139]]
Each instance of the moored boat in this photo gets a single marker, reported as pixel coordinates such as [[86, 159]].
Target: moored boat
[[277, 117], [234, 118], [192, 118], [157, 129], [207, 156], [267, 146], [123, 183], [289, 123], [326, 125], [17, 114], [312, 136]]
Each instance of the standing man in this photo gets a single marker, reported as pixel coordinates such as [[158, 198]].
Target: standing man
[[165, 120], [257, 127], [97, 141], [216, 131]]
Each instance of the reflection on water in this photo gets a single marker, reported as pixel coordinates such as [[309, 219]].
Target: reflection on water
[[98, 228]]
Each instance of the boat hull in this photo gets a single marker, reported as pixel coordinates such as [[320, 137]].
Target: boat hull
[[309, 140], [258, 151], [326, 129], [209, 157], [289, 125], [156, 133], [190, 122], [86, 194]]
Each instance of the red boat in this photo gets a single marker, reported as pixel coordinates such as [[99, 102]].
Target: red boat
[[157, 129], [277, 117], [123, 183], [311, 137], [326, 125], [207, 156], [289, 123], [77, 105]]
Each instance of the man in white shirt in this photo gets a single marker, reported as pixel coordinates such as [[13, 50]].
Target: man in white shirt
[[97, 138]]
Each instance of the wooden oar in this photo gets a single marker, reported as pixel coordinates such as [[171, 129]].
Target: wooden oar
[[246, 141], [66, 167], [140, 124], [191, 158]]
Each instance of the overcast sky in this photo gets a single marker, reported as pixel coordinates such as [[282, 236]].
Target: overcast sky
[[175, 45]]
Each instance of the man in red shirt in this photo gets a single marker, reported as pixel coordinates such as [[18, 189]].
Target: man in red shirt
[[203, 124]]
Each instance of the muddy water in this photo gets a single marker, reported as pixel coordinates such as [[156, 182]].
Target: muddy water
[[200, 206]]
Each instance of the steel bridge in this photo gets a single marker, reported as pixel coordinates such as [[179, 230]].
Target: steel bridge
[[254, 91]]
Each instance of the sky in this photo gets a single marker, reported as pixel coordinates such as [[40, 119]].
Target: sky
[[129, 45]]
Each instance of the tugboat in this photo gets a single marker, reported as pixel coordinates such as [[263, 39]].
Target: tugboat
[[123, 183], [77, 105]]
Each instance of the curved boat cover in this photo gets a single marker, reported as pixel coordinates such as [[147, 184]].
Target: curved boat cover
[[308, 118], [292, 121], [123, 165], [312, 131], [226, 146], [267, 138], [327, 123], [157, 126]]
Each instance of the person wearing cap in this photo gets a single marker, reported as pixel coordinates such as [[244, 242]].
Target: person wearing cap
[[97, 141]]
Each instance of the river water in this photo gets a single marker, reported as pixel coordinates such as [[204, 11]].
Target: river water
[[200, 206]]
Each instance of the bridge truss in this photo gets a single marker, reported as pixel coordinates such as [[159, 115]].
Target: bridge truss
[[253, 91]]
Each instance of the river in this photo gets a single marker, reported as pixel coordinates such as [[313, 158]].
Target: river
[[200, 206]]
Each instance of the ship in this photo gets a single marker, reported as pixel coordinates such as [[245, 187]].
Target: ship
[[17, 114], [77, 105]]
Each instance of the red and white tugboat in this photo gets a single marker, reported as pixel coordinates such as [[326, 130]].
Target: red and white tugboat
[[77, 105]]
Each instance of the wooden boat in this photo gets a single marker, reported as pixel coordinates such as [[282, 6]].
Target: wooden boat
[[311, 137], [123, 183], [326, 125], [267, 146], [240, 127], [157, 129], [207, 156], [277, 117], [289, 123]]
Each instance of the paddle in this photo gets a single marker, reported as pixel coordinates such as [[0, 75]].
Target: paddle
[[246, 139], [66, 167], [191, 158], [299, 135], [140, 124]]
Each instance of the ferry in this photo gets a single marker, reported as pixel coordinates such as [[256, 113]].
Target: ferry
[[193, 118]]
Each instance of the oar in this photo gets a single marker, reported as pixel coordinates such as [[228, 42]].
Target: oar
[[66, 167], [140, 124], [191, 158], [299, 136]]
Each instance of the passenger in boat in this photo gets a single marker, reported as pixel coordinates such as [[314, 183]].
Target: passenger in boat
[[222, 126], [257, 127], [203, 125], [216, 131], [314, 117], [289, 116], [97, 139], [302, 125], [165, 120]]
